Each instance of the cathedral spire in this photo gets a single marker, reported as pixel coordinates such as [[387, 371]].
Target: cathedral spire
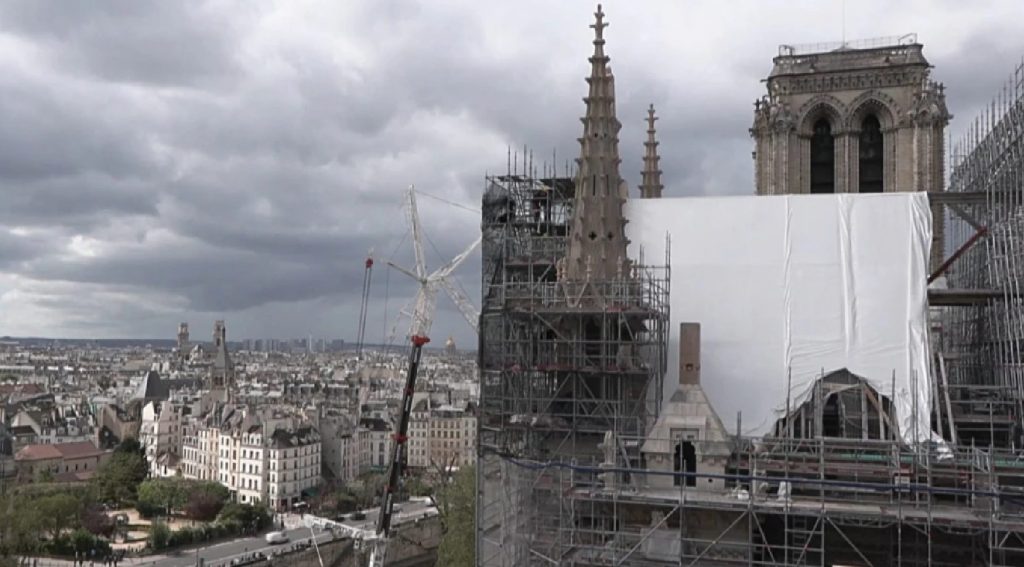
[[650, 187], [597, 241]]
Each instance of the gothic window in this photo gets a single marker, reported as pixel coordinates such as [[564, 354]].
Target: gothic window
[[870, 155], [823, 158]]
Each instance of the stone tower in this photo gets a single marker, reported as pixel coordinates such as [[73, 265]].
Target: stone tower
[[222, 371], [597, 239], [182, 346], [650, 187], [856, 118]]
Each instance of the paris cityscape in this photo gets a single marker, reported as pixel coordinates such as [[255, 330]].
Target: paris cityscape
[[414, 284]]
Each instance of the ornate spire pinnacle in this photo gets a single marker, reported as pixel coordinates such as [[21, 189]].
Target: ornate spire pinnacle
[[650, 187], [598, 236]]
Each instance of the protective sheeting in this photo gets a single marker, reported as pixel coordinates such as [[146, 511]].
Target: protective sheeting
[[800, 284]]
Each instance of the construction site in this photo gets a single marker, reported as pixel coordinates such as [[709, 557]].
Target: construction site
[[600, 437]]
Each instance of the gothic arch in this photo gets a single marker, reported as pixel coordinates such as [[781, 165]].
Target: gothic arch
[[823, 105], [873, 102]]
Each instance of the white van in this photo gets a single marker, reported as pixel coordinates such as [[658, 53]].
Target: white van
[[274, 538]]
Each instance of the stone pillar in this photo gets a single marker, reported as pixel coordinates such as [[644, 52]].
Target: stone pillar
[[853, 173], [803, 184], [889, 145]]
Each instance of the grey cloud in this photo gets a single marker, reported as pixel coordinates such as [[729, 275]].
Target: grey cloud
[[238, 160], [150, 42]]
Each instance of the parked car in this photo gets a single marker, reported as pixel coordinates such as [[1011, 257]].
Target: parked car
[[357, 516], [275, 538]]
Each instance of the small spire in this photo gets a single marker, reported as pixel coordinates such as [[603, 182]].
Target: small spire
[[598, 26], [650, 187]]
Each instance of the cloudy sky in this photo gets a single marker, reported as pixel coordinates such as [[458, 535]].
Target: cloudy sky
[[189, 161]]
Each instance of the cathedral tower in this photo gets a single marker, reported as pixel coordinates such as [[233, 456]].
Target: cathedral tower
[[861, 117]]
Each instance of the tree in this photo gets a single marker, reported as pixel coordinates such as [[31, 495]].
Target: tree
[[457, 507], [131, 446], [118, 480], [162, 495], [58, 511], [244, 516], [205, 501]]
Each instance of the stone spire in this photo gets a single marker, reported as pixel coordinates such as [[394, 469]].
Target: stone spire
[[597, 240], [651, 186]]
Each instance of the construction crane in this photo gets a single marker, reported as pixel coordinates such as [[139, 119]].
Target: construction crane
[[425, 302], [367, 276], [398, 456], [422, 317]]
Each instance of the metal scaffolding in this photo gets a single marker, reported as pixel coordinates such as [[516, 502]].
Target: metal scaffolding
[[980, 353], [568, 370], [571, 384]]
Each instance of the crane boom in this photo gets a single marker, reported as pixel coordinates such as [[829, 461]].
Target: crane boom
[[398, 455], [367, 276]]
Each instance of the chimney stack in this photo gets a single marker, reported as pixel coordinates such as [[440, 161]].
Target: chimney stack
[[689, 353]]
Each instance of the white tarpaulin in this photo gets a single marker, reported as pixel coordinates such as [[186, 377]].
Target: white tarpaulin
[[799, 283]]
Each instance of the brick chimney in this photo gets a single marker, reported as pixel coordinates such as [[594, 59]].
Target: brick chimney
[[689, 353]]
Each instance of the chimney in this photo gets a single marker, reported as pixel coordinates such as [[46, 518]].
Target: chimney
[[689, 353]]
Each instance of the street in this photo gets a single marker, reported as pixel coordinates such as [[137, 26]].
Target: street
[[223, 553]]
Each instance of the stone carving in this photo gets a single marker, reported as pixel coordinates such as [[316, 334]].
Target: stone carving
[[929, 106]]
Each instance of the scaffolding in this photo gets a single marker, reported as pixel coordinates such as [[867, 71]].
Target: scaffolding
[[570, 371], [981, 351], [571, 385]]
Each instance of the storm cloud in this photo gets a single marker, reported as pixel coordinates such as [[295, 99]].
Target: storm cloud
[[190, 161]]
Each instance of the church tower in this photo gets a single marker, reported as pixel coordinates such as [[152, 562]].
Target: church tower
[[222, 371], [182, 345], [861, 117]]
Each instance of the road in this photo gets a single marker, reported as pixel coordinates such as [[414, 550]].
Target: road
[[223, 553]]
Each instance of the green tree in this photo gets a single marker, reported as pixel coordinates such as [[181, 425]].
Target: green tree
[[244, 517], [162, 495], [57, 512], [456, 503], [118, 479]]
